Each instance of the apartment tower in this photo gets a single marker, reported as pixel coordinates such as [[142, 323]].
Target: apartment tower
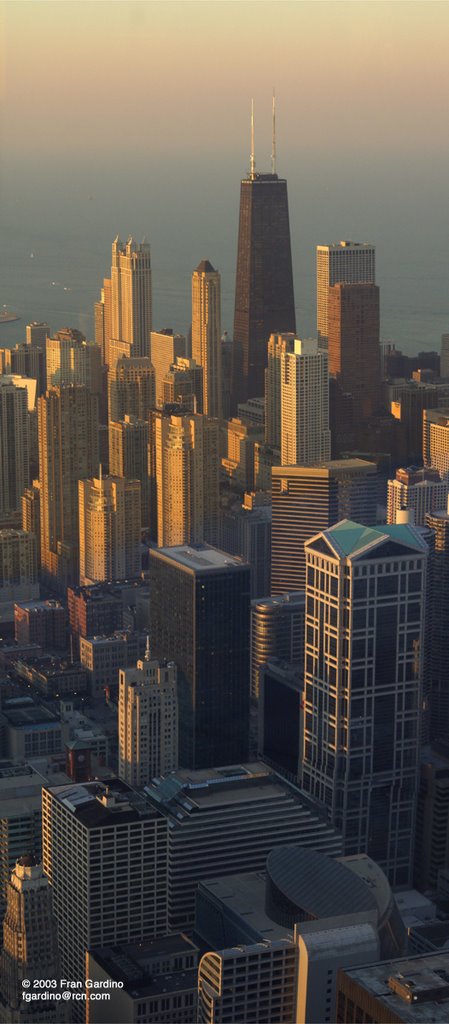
[[131, 302], [341, 263], [109, 529], [14, 451], [305, 435], [147, 721], [184, 467], [206, 333]]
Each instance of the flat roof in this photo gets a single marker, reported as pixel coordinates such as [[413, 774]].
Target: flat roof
[[131, 963], [25, 717], [324, 469], [416, 980], [199, 557], [84, 802], [244, 896]]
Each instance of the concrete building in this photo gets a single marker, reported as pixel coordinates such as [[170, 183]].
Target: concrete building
[[130, 388], [444, 356], [206, 334], [147, 721], [94, 611], [41, 622], [29, 730], [354, 345], [103, 320], [277, 633], [306, 499], [31, 517], [419, 489], [18, 571], [199, 618], [128, 457], [158, 980], [104, 656], [252, 411], [280, 716], [105, 854], [412, 990], [223, 820], [278, 344], [109, 529], [183, 384], [166, 348], [365, 604], [239, 440], [25, 361], [70, 359], [68, 452], [52, 677], [432, 820], [305, 435], [131, 300], [184, 468], [347, 262], [36, 334], [437, 652], [14, 451], [436, 440], [30, 948], [246, 531]]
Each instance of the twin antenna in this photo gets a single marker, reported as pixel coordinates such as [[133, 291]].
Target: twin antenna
[[273, 139]]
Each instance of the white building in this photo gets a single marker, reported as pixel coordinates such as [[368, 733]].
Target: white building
[[420, 490], [341, 263], [206, 333], [147, 721], [305, 434], [436, 440]]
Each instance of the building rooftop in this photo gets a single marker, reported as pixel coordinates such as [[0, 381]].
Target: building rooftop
[[101, 804], [316, 884], [199, 558], [352, 539], [324, 469], [346, 245], [414, 989], [48, 605], [205, 268], [31, 715], [132, 964]]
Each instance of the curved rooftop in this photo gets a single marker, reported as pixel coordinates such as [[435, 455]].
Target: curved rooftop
[[315, 885]]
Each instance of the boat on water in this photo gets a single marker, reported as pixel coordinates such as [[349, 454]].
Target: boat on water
[[6, 317]]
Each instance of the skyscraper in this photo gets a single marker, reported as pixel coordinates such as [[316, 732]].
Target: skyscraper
[[14, 451], [128, 457], [438, 638], [109, 529], [131, 388], [103, 320], [264, 300], [200, 604], [183, 383], [365, 598], [70, 359], [206, 333], [147, 721], [166, 348], [30, 947], [420, 490], [341, 262], [277, 344], [277, 632], [306, 499], [68, 452], [184, 465], [131, 302], [354, 345], [436, 440], [305, 435], [36, 334]]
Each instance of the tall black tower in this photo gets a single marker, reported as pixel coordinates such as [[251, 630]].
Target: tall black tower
[[264, 300]]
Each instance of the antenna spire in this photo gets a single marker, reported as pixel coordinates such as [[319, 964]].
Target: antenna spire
[[273, 136], [253, 159]]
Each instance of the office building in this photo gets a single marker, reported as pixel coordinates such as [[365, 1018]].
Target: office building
[[24, 361], [128, 457], [310, 915], [277, 633], [131, 302], [206, 333], [50, 676], [420, 490], [18, 571], [412, 990], [280, 717], [36, 334], [432, 819], [184, 468], [70, 359], [105, 854], [406, 400], [341, 263], [130, 388], [354, 346], [199, 618], [305, 436], [103, 320], [365, 604], [157, 981], [30, 947], [265, 457], [94, 611], [183, 384], [246, 531], [278, 344], [437, 652], [238, 443], [41, 622], [166, 349], [68, 452], [31, 517], [264, 300], [222, 821], [110, 529], [29, 730], [306, 499], [147, 721], [436, 440], [103, 657], [14, 451]]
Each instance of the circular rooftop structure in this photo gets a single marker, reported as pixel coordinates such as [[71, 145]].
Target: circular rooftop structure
[[304, 885]]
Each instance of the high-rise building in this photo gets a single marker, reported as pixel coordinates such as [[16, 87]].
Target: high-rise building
[[264, 300], [130, 388], [341, 263], [277, 344], [432, 819], [306, 499], [206, 333], [305, 435], [104, 656], [406, 991], [14, 451], [365, 596], [109, 529], [444, 356], [103, 320], [18, 570], [147, 721], [438, 637], [31, 518], [30, 948], [94, 611], [199, 618], [105, 854], [436, 440], [41, 622], [183, 383], [70, 359], [246, 531], [24, 361], [131, 303], [166, 348], [68, 452], [354, 345], [239, 440], [184, 468], [277, 633], [128, 457], [36, 334], [420, 490]]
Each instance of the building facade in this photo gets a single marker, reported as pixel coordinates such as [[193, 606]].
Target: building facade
[[206, 334], [131, 301], [147, 721], [305, 435], [347, 262], [14, 451], [109, 529], [184, 470]]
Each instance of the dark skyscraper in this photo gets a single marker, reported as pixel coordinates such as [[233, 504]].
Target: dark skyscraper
[[264, 301]]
